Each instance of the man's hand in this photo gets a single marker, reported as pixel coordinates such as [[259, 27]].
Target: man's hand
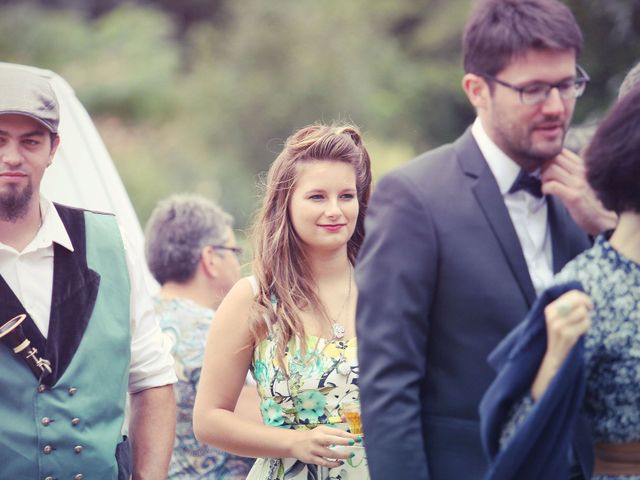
[[565, 178]]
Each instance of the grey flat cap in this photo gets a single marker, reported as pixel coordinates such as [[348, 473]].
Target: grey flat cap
[[27, 93]]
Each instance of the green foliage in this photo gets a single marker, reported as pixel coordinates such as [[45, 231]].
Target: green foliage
[[272, 70], [32, 35], [612, 46], [200, 95], [123, 63], [127, 65]]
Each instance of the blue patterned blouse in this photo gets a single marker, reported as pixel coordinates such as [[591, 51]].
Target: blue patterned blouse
[[187, 324], [612, 346]]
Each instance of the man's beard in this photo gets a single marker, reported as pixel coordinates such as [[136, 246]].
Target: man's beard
[[525, 152], [519, 142], [15, 203]]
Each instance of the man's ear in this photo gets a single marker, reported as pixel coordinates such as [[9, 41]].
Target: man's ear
[[209, 261], [477, 90], [54, 147]]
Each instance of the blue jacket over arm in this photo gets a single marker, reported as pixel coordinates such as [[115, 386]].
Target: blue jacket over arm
[[541, 445]]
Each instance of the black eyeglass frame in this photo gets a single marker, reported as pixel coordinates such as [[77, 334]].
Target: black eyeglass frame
[[237, 250], [579, 85]]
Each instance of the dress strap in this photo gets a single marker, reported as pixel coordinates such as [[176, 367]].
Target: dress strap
[[254, 286], [254, 283]]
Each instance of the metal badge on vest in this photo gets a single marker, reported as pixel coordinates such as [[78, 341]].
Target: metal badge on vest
[[13, 336]]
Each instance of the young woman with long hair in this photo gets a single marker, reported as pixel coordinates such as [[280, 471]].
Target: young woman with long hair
[[292, 323]]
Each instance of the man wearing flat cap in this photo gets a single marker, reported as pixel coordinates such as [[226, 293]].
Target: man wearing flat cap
[[70, 278]]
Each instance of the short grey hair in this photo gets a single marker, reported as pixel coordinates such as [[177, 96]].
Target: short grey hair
[[177, 230]]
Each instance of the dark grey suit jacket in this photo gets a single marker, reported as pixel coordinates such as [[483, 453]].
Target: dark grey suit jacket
[[442, 279]]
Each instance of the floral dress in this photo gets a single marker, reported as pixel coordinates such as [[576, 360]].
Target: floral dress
[[185, 324], [318, 383], [612, 348]]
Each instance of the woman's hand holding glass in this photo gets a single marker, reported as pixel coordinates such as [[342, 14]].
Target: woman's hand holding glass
[[314, 446]]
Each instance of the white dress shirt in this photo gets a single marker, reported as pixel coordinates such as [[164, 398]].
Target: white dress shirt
[[29, 274], [528, 213]]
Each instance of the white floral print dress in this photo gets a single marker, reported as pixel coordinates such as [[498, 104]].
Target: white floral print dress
[[318, 383]]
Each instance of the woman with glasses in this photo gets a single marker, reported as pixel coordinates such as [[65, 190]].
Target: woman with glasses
[[292, 324], [579, 348], [191, 251]]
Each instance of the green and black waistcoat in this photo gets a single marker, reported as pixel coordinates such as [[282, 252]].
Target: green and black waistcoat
[[68, 425]]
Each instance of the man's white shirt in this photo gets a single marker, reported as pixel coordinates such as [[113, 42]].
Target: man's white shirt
[[528, 213]]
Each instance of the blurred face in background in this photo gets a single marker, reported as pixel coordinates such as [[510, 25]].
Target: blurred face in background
[[228, 271]]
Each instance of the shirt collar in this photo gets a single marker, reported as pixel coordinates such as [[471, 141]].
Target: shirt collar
[[504, 169], [52, 229]]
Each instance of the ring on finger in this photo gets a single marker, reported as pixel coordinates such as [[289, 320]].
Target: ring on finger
[[563, 308]]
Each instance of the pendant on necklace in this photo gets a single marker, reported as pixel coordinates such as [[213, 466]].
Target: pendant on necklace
[[338, 331]]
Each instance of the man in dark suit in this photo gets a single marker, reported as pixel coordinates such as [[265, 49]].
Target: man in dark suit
[[461, 239]]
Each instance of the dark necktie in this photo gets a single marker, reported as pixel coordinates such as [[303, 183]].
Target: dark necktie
[[528, 183]]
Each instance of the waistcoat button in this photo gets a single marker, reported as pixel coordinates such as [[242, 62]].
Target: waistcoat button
[[45, 421], [49, 477], [72, 391], [77, 448], [78, 477], [41, 388], [47, 449], [75, 421]]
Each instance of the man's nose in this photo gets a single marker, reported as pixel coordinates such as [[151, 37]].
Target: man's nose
[[553, 104], [10, 154]]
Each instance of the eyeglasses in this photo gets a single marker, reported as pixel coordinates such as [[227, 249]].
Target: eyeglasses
[[236, 250], [538, 92]]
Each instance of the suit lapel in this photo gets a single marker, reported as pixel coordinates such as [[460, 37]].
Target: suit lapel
[[75, 289], [492, 205], [567, 239], [559, 241]]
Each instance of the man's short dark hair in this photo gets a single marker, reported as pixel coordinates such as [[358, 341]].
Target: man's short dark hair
[[500, 30], [613, 157]]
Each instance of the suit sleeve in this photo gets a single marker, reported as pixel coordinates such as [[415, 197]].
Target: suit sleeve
[[396, 273]]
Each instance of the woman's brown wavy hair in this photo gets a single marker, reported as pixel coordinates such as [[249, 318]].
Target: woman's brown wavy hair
[[280, 264]]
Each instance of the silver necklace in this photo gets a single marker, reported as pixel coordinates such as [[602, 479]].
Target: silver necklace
[[337, 328]]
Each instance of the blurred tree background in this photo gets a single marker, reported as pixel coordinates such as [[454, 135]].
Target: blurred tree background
[[198, 95]]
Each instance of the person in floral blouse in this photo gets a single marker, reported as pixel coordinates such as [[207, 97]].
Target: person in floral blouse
[[192, 252], [591, 349]]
